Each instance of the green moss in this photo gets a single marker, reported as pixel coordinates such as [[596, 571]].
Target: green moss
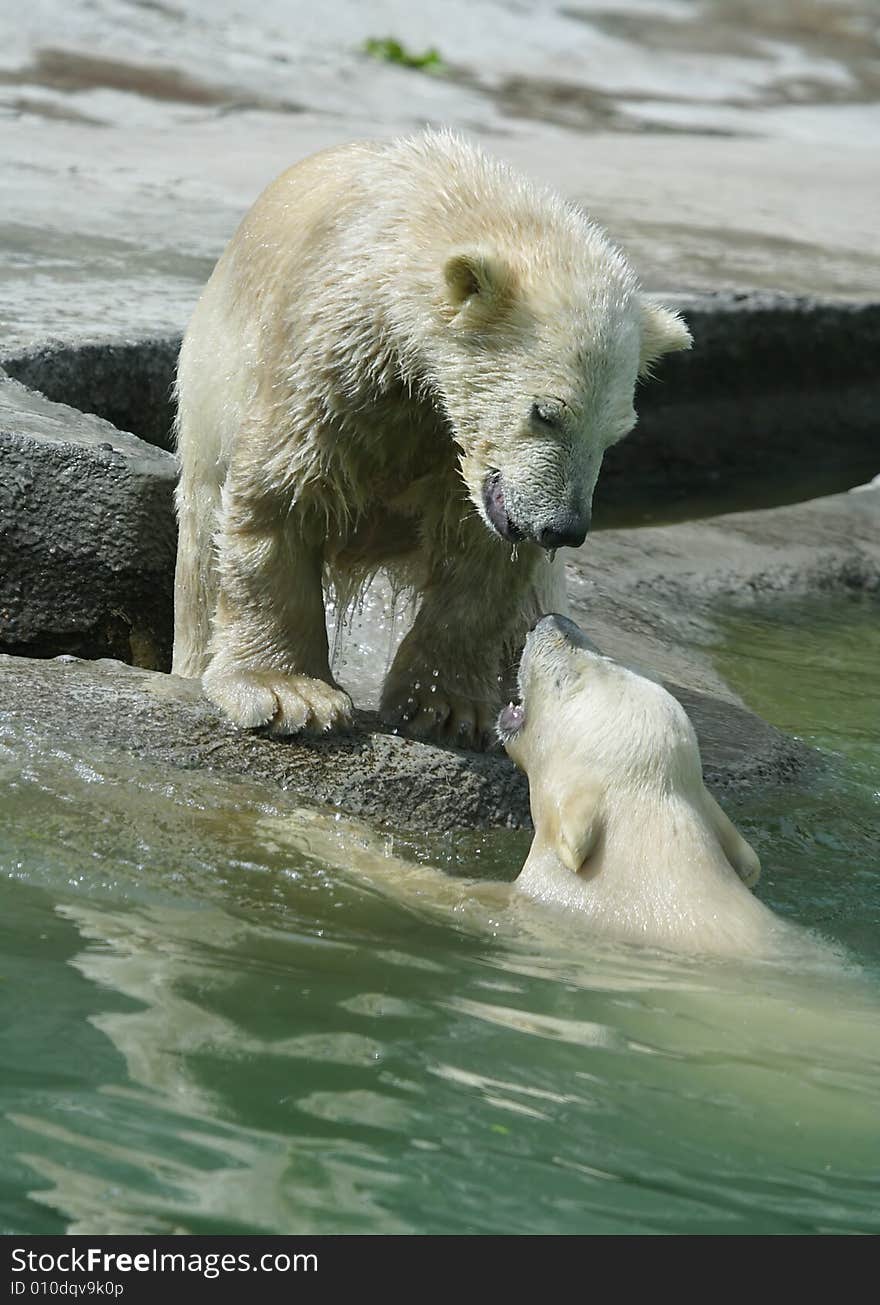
[[392, 51]]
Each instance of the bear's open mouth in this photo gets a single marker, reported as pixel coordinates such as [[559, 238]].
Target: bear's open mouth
[[510, 721], [496, 509]]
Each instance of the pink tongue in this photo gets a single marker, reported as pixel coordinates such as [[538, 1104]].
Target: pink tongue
[[511, 717]]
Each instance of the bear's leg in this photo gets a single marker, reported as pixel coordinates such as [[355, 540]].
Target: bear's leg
[[447, 679], [444, 688], [194, 577], [269, 656]]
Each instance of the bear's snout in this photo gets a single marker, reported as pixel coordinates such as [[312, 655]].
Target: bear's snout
[[568, 529]]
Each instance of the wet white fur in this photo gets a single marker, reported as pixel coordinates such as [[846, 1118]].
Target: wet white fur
[[367, 350], [626, 833]]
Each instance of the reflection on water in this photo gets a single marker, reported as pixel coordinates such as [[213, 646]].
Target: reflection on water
[[228, 1014]]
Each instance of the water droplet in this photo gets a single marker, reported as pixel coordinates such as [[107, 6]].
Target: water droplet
[[514, 553], [551, 555]]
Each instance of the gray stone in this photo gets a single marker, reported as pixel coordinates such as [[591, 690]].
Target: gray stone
[[127, 382], [369, 773], [87, 535], [647, 596], [776, 403], [734, 154]]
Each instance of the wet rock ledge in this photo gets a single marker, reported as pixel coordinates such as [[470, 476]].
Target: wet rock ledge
[[368, 773]]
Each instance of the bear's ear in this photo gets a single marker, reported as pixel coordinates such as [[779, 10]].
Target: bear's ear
[[663, 331], [474, 274], [579, 826]]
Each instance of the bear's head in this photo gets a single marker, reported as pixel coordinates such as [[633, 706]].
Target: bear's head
[[586, 730], [535, 364], [625, 830]]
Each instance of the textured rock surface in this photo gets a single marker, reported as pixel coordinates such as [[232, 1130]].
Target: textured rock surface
[[776, 402], [127, 382], [87, 535], [371, 774], [644, 594], [743, 419], [720, 153]]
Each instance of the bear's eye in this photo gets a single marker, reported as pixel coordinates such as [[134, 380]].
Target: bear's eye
[[547, 415]]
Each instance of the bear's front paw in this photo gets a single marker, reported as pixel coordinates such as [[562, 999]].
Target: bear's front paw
[[287, 704], [430, 711]]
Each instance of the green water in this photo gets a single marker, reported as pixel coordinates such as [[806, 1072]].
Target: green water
[[220, 1015]]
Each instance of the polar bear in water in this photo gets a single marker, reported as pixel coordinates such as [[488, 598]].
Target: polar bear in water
[[625, 831], [628, 842]]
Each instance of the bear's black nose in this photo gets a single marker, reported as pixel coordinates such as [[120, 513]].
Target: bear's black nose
[[553, 623], [568, 530]]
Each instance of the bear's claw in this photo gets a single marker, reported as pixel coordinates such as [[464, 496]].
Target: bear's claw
[[286, 704], [441, 717]]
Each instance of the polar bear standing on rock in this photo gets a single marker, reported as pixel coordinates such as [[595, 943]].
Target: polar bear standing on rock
[[408, 358]]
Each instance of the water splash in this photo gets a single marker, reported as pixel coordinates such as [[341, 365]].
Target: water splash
[[364, 634]]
